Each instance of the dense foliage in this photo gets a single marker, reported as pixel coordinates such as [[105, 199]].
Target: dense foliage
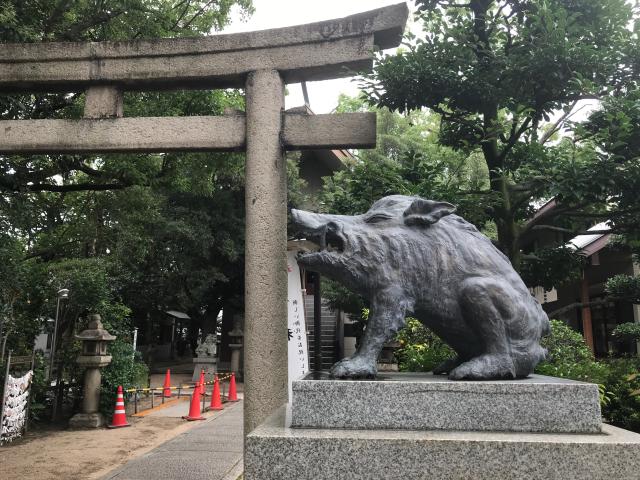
[[506, 77], [421, 350], [619, 379], [568, 356], [129, 236], [627, 331]]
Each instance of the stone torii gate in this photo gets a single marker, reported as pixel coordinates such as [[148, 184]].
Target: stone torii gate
[[262, 63]]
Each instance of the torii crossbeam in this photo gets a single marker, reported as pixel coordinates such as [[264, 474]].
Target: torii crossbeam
[[261, 62]]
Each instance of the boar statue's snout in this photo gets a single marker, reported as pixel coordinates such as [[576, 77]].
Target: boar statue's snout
[[307, 222], [323, 230]]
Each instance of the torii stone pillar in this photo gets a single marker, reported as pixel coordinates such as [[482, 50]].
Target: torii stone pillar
[[265, 349]]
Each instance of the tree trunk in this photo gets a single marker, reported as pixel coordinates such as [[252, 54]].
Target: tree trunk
[[503, 215]]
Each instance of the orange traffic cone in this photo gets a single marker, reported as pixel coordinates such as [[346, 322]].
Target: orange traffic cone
[[167, 384], [194, 408], [202, 387], [119, 416], [233, 395], [216, 401]]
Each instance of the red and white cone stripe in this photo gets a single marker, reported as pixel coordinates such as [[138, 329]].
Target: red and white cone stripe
[[119, 415]]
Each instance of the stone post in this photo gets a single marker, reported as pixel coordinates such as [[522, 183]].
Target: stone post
[[235, 344], [265, 353], [91, 400]]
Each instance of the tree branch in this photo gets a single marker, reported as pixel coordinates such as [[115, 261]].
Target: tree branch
[[101, 17], [550, 214], [513, 138], [198, 13], [73, 187], [567, 308], [558, 124]]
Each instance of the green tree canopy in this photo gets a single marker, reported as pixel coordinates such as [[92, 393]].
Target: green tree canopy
[[505, 77], [128, 235]]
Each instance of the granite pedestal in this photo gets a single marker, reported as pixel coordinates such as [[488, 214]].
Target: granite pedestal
[[416, 426], [423, 401], [208, 364]]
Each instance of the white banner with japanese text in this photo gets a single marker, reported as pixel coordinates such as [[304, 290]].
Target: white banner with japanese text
[[297, 334]]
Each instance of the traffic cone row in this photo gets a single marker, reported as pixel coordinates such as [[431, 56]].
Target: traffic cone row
[[216, 401], [119, 416], [233, 395], [194, 408], [167, 384], [202, 382]]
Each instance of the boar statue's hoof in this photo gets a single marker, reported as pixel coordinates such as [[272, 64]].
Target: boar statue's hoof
[[353, 368], [485, 367]]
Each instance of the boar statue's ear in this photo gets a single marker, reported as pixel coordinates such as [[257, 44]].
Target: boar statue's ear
[[426, 212]]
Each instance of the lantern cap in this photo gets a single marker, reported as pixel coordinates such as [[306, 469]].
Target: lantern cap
[[95, 331]]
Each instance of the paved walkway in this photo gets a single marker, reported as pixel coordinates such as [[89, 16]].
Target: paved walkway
[[211, 450]]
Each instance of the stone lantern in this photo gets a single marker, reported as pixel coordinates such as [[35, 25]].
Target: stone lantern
[[93, 357]]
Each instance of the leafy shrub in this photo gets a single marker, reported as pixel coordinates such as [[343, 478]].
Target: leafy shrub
[[623, 389], [422, 350], [618, 379], [627, 331], [569, 356], [624, 287], [125, 369]]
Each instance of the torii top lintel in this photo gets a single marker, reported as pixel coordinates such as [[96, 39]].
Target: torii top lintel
[[317, 51]]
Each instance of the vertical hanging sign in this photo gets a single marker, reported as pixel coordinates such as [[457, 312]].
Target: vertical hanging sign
[[297, 331]]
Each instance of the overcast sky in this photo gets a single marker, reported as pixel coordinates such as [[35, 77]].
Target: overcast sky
[[323, 96]]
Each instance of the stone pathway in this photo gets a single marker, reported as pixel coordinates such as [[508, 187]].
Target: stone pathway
[[212, 450]]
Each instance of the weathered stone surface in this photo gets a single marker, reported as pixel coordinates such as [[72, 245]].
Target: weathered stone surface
[[206, 358], [87, 420], [265, 330], [322, 50], [209, 365], [103, 101], [420, 401], [329, 131], [167, 134], [279, 453]]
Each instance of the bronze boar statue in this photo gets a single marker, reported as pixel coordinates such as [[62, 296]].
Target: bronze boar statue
[[413, 257]]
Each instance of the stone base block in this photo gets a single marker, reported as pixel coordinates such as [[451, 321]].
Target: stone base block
[[423, 401], [87, 420], [274, 451], [209, 365]]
